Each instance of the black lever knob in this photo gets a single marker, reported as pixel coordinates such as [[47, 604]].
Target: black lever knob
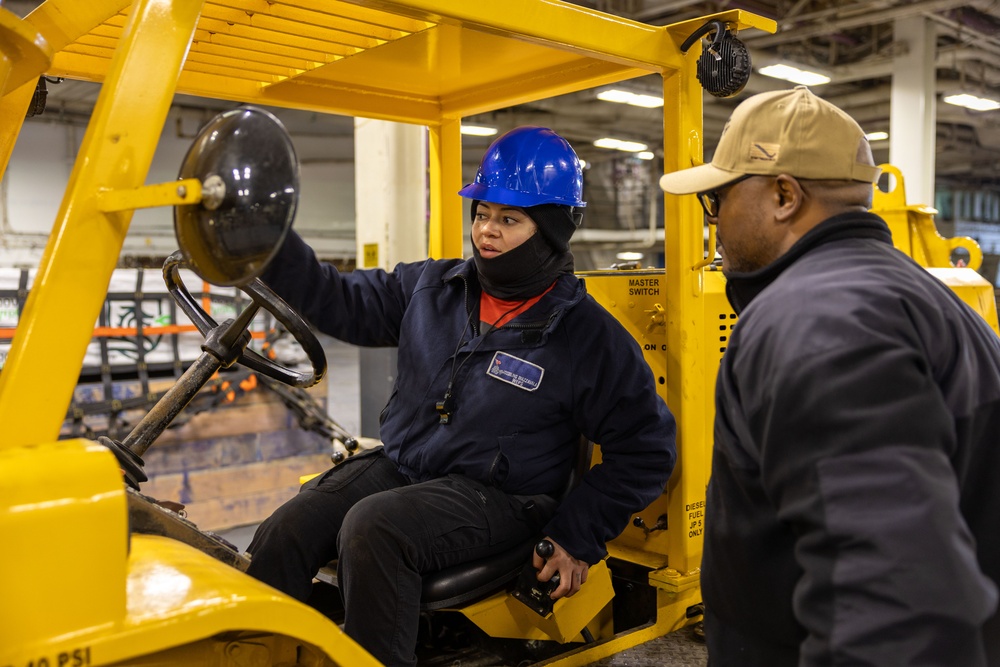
[[537, 594]]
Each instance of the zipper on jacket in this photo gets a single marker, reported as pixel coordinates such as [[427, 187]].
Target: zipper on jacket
[[468, 309], [538, 325]]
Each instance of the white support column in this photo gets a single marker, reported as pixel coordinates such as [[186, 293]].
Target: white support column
[[390, 189], [913, 112]]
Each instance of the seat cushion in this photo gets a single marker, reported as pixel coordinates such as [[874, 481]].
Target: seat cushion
[[461, 583]]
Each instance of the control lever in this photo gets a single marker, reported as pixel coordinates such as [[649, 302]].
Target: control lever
[[532, 592]]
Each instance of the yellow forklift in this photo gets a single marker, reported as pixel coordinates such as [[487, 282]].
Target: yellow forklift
[[94, 574]]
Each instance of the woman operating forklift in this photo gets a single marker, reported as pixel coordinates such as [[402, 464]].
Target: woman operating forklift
[[504, 362]]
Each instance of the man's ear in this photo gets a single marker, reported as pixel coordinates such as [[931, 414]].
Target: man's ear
[[789, 196]]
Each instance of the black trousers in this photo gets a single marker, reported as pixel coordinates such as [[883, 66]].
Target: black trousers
[[386, 532]]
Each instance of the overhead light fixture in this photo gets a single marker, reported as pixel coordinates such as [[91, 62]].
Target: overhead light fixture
[[478, 130], [621, 145], [645, 155], [628, 97], [872, 137], [972, 102], [629, 256], [794, 74]]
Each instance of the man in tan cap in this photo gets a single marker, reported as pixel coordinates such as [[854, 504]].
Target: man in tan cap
[[855, 486]]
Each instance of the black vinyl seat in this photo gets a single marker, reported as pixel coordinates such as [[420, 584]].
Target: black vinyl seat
[[465, 582]]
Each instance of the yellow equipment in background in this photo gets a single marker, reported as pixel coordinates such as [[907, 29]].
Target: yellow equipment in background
[[913, 228], [914, 233], [78, 588]]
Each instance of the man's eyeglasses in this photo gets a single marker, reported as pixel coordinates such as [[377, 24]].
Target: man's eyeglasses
[[711, 200]]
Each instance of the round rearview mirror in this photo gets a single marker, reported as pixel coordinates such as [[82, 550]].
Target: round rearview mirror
[[250, 186]]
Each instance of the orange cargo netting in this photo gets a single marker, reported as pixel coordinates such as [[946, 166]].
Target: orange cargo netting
[[7, 333], [136, 339], [112, 395]]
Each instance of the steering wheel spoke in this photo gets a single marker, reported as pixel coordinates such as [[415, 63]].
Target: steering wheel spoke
[[261, 296]]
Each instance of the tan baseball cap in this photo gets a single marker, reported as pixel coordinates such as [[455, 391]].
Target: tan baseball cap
[[782, 132]]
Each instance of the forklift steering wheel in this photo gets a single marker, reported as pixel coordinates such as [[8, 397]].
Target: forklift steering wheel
[[262, 297]]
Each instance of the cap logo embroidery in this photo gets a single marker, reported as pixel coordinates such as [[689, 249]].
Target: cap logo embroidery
[[764, 152]]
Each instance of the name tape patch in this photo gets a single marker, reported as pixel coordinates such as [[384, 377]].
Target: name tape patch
[[518, 372]]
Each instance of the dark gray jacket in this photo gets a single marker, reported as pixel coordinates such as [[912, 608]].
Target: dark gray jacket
[[853, 509]]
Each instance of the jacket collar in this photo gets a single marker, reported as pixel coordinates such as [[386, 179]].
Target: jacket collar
[[568, 291], [741, 288], [465, 269]]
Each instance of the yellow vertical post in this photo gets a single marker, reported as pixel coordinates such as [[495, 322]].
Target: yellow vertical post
[[13, 106], [27, 46], [24, 55], [445, 168], [687, 385], [69, 290]]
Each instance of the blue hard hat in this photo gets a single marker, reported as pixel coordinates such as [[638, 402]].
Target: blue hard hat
[[528, 166]]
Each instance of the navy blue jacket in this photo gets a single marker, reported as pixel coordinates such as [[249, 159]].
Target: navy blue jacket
[[576, 371], [855, 492]]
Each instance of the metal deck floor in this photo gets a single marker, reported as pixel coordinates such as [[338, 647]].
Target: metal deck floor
[[678, 649]]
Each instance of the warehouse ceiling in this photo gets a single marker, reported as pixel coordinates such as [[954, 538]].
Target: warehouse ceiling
[[856, 45], [853, 42]]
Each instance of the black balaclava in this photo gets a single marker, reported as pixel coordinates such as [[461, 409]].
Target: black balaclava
[[556, 223], [529, 269]]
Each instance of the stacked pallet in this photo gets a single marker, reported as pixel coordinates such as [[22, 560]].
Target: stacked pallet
[[234, 465]]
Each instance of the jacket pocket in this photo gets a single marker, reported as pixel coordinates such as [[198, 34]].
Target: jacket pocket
[[385, 411], [500, 468], [498, 520]]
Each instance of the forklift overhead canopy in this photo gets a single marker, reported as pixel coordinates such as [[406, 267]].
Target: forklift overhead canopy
[[417, 61]]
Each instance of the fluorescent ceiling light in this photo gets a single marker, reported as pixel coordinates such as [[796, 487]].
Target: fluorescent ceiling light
[[795, 75], [615, 95], [621, 145], [628, 97], [645, 155], [972, 102], [629, 256], [876, 136], [479, 130]]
